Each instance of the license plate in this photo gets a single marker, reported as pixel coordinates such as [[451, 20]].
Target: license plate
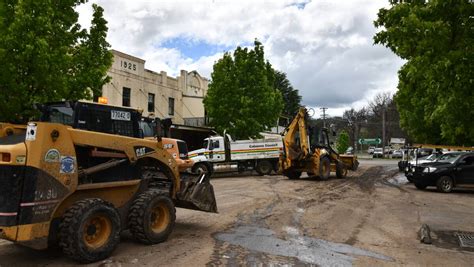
[[121, 115]]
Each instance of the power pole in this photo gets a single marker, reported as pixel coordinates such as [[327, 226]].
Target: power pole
[[383, 132], [324, 116]]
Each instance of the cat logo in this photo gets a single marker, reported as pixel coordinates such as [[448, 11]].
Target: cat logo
[[141, 151]]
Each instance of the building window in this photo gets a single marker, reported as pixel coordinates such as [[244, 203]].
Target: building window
[[171, 106], [151, 102], [126, 97]]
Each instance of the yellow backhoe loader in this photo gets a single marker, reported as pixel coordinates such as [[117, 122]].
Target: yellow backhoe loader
[[83, 174], [306, 151]]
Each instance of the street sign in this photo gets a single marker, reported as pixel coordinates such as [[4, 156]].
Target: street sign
[[370, 141]]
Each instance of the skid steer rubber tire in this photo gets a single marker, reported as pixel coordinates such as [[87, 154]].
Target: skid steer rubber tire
[[89, 230], [324, 168], [152, 217], [341, 171], [200, 168], [293, 175], [264, 167]]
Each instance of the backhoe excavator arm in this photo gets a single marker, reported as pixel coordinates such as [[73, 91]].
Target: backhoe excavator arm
[[295, 138]]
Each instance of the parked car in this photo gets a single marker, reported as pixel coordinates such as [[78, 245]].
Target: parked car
[[409, 155], [397, 154], [455, 169], [426, 159], [378, 153], [350, 150], [371, 150]]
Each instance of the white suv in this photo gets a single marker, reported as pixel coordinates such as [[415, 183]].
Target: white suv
[[371, 150], [378, 153]]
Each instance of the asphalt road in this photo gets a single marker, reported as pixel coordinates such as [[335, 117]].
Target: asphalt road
[[370, 218]]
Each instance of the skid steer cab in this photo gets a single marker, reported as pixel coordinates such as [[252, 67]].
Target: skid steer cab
[[82, 174]]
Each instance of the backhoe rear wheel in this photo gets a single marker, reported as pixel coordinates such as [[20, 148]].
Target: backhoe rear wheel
[[341, 170], [90, 230], [152, 217], [264, 167], [324, 168]]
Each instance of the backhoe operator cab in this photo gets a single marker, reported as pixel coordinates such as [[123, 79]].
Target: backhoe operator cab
[[307, 150], [83, 174]]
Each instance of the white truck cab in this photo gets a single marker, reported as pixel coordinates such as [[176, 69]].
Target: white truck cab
[[212, 151]]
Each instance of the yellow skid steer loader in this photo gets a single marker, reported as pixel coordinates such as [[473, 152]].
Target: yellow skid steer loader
[[83, 174]]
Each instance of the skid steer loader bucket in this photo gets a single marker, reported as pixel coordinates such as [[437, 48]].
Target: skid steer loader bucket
[[197, 193]]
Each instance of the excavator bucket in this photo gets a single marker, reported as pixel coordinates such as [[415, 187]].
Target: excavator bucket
[[197, 193], [350, 161]]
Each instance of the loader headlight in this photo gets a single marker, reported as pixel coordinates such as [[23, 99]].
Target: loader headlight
[[429, 169]]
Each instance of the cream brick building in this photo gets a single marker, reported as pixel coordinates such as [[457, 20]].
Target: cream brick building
[[157, 94]]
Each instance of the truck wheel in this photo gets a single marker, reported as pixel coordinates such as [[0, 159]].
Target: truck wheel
[[264, 167], [152, 217], [293, 175], [324, 168], [200, 168], [445, 184], [341, 170], [90, 230]]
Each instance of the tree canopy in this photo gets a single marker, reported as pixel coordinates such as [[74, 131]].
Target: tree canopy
[[291, 97], [435, 90], [47, 56], [241, 98], [342, 142]]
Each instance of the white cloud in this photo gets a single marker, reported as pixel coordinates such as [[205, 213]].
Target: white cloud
[[325, 48]]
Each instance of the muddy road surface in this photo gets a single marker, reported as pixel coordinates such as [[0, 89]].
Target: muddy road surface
[[370, 218]]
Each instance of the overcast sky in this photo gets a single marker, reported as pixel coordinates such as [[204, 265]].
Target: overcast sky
[[324, 46]]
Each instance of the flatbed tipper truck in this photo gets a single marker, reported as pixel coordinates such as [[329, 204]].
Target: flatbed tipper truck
[[222, 154]]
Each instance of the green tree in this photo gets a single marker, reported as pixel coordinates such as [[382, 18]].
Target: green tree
[[342, 142], [435, 96], [47, 56], [241, 98], [290, 95]]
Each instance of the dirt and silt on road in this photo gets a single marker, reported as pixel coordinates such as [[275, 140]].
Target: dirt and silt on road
[[370, 218]]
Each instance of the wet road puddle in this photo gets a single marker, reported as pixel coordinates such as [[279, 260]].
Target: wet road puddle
[[305, 249]]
